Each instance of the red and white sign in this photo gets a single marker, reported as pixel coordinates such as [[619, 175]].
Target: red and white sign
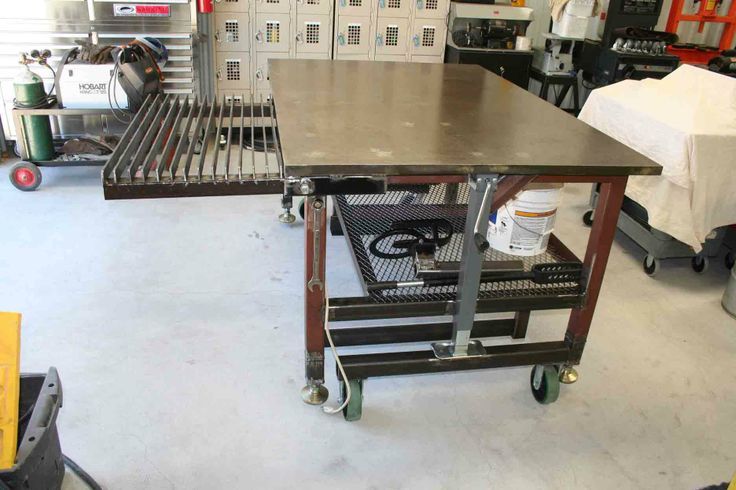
[[141, 10]]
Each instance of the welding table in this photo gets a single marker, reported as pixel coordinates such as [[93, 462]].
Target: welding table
[[395, 141]]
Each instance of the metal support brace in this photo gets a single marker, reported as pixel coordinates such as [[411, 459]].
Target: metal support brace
[[474, 247]]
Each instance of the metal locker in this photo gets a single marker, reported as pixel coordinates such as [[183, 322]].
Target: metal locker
[[231, 5], [313, 6], [391, 57], [313, 34], [275, 6], [232, 32], [352, 35], [391, 36], [354, 7], [261, 71], [432, 9], [394, 8], [314, 56], [356, 57], [427, 59], [232, 70], [272, 32], [428, 37]]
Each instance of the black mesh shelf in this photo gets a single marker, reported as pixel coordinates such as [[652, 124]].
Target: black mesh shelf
[[365, 216]]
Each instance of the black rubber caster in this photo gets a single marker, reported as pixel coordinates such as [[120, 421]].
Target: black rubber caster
[[354, 409], [699, 264], [335, 227], [588, 218], [729, 260], [25, 176], [545, 383], [650, 265], [302, 203]]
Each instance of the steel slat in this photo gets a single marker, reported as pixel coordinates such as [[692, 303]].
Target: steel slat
[[145, 145], [112, 162], [163, 132], [217, 139], [182, 140], [194, 139], [171, 142]]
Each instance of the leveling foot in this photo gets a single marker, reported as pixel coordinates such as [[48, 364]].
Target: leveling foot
[[315, 394]]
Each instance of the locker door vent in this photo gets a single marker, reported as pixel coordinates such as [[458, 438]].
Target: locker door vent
[[355, 3], [353, 33], [232, 70], [392, 35], [394, 4], [272, 32], [431, 4], [312, 36], [428, 36], [231, 29]]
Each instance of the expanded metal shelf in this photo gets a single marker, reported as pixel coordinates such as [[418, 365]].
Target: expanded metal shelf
[[363, 217], [180, 146]]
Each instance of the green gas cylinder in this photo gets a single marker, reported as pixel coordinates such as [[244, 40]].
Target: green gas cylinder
[[38, 140]]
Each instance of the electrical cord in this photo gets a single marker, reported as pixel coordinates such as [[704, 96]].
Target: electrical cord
[[348, 393], [112, 87]]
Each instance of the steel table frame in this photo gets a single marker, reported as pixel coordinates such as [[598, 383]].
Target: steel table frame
[[568, 351]]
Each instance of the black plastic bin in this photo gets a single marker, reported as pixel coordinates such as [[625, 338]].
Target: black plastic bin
[[38, 463]]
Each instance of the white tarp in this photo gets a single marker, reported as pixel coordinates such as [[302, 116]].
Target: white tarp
[[686, 122]]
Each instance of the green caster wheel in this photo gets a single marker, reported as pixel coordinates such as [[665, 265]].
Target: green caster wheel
[[545, 384], [354, 409]]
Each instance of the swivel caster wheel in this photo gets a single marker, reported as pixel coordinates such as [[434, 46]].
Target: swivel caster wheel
[[699, 264], [650, 265], [302, 203], [25, 176], [545, 384], [354, 409], [730, 260], [588, 218]]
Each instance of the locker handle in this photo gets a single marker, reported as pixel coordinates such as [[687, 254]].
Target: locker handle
[[341, 39], [382, 4], [300, 37], [259, 74], [259, 36], [416, 40], [379, 40], [502, 70], [218, 73], [217, 36], [343, 3], [420, 4]]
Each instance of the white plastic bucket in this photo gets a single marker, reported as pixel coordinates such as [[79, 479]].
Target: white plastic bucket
[[523, 225], [574, 20]]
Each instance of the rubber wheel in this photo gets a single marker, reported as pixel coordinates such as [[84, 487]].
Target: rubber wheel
[[650, 265], [588, 218], [549, 386], [699, 264], [335, 227], [302, 203], [354, 409], [729, 261], [25, 176]]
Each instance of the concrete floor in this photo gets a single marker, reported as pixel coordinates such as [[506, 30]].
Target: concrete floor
[[176, 326]]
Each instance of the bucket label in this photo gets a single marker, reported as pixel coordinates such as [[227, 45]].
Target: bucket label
[[520, 232]]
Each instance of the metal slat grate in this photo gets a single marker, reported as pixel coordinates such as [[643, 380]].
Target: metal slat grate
[[366, 216], [179, 146]]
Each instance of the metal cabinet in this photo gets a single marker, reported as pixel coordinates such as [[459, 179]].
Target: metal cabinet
[[354, 7], [313, 6], [232, 32], [231, 5], [391, 36], [261, 69], [272, 32], [232, 70], [431, 9], [274, 6], [428, 37], [394, 8], [312, 34], [352, 36]]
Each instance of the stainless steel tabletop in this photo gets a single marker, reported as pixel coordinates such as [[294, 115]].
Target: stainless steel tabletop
[[384, 118]]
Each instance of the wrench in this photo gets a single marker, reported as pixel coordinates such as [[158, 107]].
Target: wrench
[[316, 229]]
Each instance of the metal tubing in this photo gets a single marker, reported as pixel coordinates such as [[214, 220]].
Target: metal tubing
[[200, 189], [229, 140], [521, 322], [252, 137], [218, 132], [479, 204], [152, 130], [240, 137], [205, 140], [193, 140], [364, 366], [265, 141], [596, 257], [423, 332], [182, 139], [112, 162]]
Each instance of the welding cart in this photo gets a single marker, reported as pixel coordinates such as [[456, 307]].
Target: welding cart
[[388, 152]]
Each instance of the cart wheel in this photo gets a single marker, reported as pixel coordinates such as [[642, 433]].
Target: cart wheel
[[354, 409], [588, 218], [699, 263], [302, 203], [730, 260], [335, 226], [25, 176], [650, 265], [545, 383]]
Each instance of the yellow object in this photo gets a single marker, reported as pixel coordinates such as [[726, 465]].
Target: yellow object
[[517, 3], [9, 386], [732, 486]]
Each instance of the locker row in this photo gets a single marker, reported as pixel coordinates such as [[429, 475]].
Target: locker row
[[389, 36], [272, 32], [432, 9]]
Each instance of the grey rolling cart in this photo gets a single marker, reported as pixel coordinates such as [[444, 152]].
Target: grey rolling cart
[[658, 245], [393, 156]]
